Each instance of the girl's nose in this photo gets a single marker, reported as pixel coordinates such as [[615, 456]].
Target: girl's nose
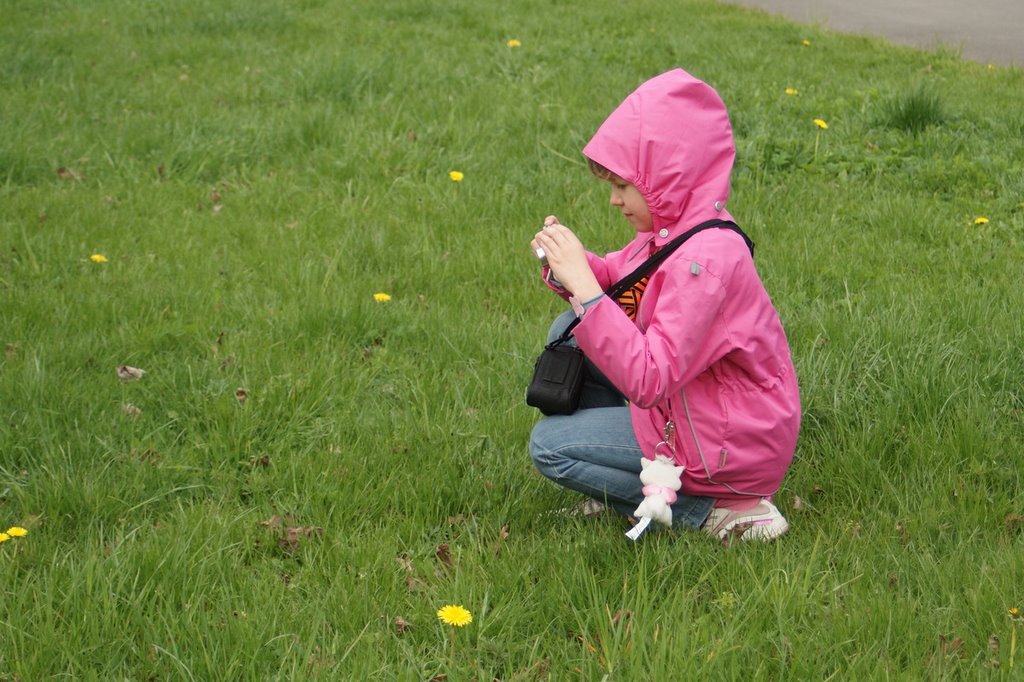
[[615, 199]]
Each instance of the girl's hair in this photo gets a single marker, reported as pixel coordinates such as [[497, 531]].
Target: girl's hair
[[599, 171]]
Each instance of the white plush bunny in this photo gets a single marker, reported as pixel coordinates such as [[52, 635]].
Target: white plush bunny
[[661, 481]]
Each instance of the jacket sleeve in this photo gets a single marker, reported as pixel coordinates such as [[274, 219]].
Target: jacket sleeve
[[677, 345]]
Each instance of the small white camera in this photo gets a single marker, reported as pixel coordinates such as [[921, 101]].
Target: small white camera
[[541, 256]]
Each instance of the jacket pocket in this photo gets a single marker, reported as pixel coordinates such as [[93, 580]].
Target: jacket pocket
[[701, 416]]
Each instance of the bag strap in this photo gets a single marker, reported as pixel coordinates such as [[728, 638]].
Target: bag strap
[[620, 287]]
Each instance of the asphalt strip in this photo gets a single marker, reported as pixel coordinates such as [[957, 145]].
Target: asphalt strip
[[986, 31]]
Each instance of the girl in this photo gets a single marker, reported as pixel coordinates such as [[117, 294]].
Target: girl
[[696, 348]]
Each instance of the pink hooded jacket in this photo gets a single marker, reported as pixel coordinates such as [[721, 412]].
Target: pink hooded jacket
[[707, 350]]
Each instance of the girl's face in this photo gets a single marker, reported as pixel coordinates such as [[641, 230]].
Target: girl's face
[[627, 198]]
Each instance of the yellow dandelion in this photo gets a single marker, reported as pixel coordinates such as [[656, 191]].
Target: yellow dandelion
[[821, 124], [98, 258], [805, 42], [514, 43], [454, 615], [1015, 613], [456, 176], [4, 537], [792, 91], [381, 297], [980, 220], [17, 532]]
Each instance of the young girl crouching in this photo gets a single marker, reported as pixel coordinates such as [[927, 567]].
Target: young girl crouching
[[690, 369]]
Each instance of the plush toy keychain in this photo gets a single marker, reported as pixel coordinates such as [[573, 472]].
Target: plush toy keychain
[[661, 481]]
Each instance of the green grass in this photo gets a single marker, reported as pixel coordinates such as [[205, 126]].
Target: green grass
[[158, 545], [915, 110]]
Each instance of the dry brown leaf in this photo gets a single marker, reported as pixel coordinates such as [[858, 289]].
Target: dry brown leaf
[[444, 554], [953, 647], [502, 536], [456, 520], [68, 174], [292, 540], [401, 624], [241, 395], [126, 373], [798, 503], [304, 531], [214, 196], [405, 562], [289, 545], [619, 615], [130, 410], [10, 350], [414, 584], [263, 461], [274, 522], [586, 643], [735, 534], [147, 455]]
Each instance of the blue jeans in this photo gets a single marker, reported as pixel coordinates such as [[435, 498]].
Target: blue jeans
[[594, 450]]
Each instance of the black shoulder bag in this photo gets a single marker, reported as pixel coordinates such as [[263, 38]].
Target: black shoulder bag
[[559, 371]]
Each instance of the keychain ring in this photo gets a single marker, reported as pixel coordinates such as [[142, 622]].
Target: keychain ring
[[671, 453]]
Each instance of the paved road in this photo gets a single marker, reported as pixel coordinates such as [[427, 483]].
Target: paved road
[[988, 31]]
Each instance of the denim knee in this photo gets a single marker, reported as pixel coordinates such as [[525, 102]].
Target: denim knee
[[544, 453]]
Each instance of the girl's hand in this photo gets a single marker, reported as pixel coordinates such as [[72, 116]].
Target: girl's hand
[[567, 259]]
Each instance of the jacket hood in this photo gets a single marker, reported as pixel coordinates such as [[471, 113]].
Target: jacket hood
[[671, 138]]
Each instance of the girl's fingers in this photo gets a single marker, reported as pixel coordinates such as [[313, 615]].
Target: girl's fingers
[[552, 244], [541, 241], [559, 234]]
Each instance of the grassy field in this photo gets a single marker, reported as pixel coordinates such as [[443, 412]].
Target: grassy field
[[304, 474]]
